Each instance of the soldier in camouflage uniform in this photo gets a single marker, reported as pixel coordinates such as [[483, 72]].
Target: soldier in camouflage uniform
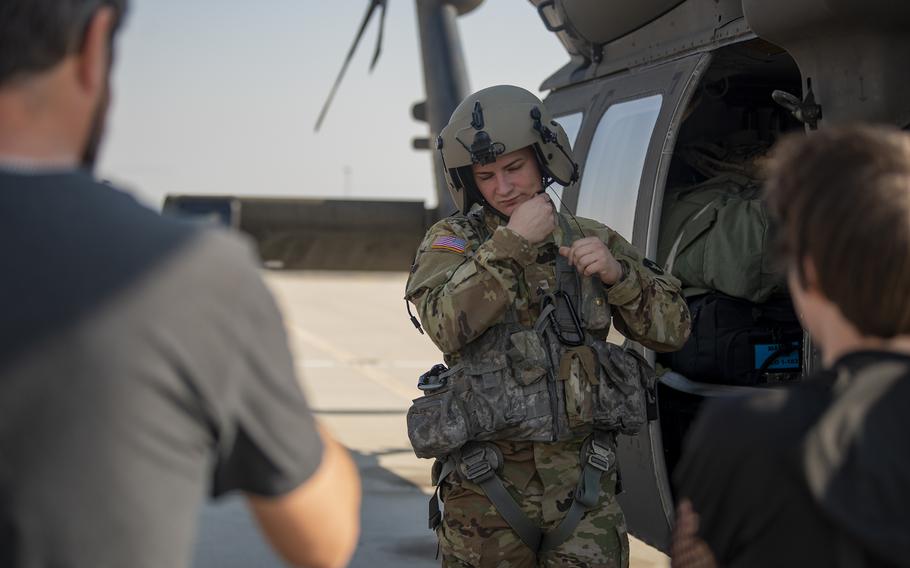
[[498, 257]]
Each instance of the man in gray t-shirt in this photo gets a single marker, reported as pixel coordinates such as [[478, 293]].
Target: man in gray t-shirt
[[143, 363]]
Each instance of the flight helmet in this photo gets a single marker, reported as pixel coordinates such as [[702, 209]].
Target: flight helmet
[[495, 121]]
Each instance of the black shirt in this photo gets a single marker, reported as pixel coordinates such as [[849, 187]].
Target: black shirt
[[142, 364], [813, 475]]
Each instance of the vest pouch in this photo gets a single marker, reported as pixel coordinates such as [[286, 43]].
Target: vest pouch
[[493, 398], [527, 356], [620, 402], [437, 423], [578, 371]]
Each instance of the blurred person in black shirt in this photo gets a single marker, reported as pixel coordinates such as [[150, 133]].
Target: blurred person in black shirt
[[819, 474]]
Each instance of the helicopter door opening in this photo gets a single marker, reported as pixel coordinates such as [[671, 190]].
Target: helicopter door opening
[[746, 335], [625, 129]]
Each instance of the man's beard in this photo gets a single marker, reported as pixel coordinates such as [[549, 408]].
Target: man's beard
[[96, 131]]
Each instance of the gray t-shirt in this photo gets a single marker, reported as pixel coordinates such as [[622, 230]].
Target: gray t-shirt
[[143, 364]]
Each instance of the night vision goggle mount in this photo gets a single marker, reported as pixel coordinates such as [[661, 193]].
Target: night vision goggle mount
[[483, 150]]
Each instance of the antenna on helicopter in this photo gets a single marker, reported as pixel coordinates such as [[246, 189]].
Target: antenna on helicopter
[[371, 9]]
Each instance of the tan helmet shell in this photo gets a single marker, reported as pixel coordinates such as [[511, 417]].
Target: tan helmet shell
[[495, 121]]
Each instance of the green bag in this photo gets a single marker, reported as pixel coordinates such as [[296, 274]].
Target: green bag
[[716, 236]]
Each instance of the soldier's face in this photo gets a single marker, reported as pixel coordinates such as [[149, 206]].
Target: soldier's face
[[509, 181]]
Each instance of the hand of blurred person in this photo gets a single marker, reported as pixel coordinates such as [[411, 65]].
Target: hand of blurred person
[[687, 549]]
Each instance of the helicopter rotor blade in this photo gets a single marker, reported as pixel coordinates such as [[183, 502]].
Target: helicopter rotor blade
[[378, 50], [371, 9]]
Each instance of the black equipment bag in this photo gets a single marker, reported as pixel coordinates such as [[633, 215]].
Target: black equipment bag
[[737, 342]]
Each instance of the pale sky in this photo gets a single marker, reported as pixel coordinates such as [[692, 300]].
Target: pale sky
[[220, 96]]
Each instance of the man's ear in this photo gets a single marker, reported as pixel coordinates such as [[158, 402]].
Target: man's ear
[[95, 53]]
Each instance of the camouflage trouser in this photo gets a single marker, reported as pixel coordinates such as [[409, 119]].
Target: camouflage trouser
[[474, 534]]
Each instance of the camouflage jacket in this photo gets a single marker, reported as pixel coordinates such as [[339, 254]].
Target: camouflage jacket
[[459, 294]]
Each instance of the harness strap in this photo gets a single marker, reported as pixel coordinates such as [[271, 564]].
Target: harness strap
[[599, 460], [674, 250], [567, 278], [543, 318], [477, 466], [435, 516]]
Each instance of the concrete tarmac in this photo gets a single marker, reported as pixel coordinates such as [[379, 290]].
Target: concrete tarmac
[[358, 357]]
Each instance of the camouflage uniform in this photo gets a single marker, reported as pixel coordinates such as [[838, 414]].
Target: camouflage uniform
[[459, 296]]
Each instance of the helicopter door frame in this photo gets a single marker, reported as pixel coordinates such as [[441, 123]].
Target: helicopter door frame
[[647, 500]]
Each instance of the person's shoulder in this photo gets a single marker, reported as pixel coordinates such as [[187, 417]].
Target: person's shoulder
[[223, 257], [593, 227], [448, 225], [766, 415], [590, 224], [736, 419], [102, 208], [728, 433], [465, 228], [458, 223]]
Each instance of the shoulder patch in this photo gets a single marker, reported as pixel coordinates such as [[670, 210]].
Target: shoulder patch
[[652, 266], [449, 243]]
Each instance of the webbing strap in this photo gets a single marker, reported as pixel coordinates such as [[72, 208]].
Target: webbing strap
[[479, 464], [586, 493], [496, 492], [478, 469], [567, 278], [543, 318], [599, 459], [590, 479], [674, 250], [435, 516]]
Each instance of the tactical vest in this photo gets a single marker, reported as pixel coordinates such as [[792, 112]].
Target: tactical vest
[[550, 382]]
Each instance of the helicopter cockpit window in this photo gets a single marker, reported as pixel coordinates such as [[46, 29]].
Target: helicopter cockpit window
[[613, 168], [571, 123]]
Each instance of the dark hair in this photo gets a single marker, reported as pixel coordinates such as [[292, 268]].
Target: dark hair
[[36, 34], [841, 197]]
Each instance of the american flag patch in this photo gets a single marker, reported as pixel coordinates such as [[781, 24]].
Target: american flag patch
[[451, 244]]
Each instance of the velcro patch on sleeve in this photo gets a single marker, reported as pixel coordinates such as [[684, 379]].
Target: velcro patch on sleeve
[[449, 243]]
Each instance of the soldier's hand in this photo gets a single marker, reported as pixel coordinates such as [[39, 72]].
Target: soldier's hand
[[591, 256], [535, 219]]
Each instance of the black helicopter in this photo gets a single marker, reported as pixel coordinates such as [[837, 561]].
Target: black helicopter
[[647, 82]]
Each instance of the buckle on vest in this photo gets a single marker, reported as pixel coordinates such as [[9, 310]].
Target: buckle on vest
[[599, 456], [476, 466]]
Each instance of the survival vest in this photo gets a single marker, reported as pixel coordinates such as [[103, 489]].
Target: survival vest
[[550, 382]]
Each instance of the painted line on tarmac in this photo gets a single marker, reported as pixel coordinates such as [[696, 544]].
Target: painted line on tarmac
[[368, 371], [332, 363]]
